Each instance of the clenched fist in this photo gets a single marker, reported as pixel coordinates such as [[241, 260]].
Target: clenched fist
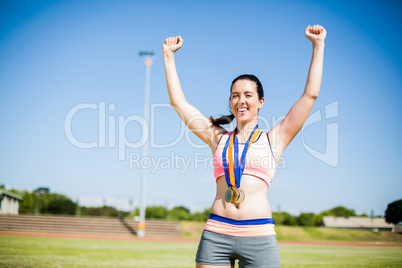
[[172, 44], [315, 34]]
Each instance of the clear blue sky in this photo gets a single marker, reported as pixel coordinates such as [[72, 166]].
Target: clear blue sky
[[56, 55]]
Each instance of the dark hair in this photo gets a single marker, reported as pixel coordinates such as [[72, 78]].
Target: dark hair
[[227, 119]]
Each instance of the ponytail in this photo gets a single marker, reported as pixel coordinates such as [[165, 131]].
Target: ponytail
[[223, 120]]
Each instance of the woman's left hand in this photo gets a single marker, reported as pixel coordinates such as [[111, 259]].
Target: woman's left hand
[[316, 34]]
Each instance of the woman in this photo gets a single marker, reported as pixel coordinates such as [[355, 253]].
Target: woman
[[241, 225]]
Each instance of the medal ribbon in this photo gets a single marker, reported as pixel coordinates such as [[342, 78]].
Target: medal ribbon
[[234, 170]]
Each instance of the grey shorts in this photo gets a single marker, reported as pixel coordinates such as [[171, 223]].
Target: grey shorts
[[251, 251]]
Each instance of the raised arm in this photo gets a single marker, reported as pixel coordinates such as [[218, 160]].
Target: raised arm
[[194, 119], [282, 134]]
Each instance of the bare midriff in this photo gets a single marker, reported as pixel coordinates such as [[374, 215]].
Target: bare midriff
[[254, 206]]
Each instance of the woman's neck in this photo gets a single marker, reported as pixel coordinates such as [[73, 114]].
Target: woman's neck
[[244, 129]]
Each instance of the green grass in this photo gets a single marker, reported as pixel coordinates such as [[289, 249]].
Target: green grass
[[60, 252], [340, 256]]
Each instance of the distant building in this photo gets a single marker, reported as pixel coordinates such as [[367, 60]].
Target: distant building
[[398, 227], [362, 223], [42, 190], [9, 202]]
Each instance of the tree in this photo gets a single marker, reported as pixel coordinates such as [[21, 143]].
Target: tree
[[180, 213], [44, 202], [27, 204], [201, 216], [306, 219], [393, 214], [156, 212], [109, 211], [100, 211], [60, 204], [53, 203], [340, 211], [91, 211], [284, 218], [289, 219]]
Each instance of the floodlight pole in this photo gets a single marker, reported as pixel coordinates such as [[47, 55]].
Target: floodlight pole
[[148, 60]]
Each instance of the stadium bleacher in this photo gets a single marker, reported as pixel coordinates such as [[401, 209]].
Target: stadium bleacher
[[87, 225]]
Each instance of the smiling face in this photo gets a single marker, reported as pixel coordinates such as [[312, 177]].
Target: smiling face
[[244, 100]]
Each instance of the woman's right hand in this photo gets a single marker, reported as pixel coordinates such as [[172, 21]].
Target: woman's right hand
[[172, 44]]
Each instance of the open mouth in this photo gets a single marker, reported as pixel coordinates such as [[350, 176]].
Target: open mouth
[[242, 110]]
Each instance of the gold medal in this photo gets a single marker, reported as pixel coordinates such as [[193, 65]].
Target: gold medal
[[235, 194], [228, 195], [241, 197], [232, 194]]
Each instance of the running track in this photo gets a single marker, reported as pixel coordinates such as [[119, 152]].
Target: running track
[[169, 239]]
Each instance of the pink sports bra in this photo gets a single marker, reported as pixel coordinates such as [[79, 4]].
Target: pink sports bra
[[260, 161]]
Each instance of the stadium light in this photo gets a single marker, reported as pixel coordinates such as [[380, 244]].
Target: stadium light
[[148, 58]]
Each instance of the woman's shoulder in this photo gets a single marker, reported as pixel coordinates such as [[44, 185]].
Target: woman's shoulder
[[221, 135]]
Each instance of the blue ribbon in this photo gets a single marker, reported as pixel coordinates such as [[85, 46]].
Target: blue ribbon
[[239, 169]]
